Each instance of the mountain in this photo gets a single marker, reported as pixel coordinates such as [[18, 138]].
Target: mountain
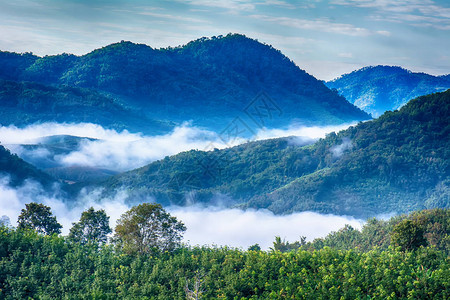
[[45, 153], [382, 88], [18, 170], [396, 163], [209, 81], [23, 103]]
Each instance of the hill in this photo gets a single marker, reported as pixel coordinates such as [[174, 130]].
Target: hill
[[382, 88], [396, 163], [24, 103], [46, 152], [210, 81], [18, 170]]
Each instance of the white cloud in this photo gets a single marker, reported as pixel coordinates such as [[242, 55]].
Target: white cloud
[[323, 25], [172, 17], [312, 132], [120, 151], [32, 133], [338, 150], [13, 200], [205, 226], [232, 5], [345, 55], [238, 228], [405, 11]]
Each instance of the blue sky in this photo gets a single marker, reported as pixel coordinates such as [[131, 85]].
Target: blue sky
[[324, 37]]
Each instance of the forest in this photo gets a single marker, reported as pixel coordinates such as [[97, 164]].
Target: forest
[[397, 162], [406, 257]]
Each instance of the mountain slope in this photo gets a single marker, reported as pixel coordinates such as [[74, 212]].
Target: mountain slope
[[46, 152], [210, 81], [23, 103], [382, 88], [18, 170], [398, 162]]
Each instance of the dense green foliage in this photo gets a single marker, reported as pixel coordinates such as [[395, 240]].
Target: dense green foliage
[[396, 163], [24, 103], [382, 88], [92, 227], [49, 267], [147, 227], [423, 228], [209, 81], [38, 217]]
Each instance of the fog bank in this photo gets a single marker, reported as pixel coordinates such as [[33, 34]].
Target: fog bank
[[205, 226], [122, 151]]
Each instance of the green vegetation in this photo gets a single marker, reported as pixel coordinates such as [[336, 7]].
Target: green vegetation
[[396, 163], [209, 81], [48, 267], [147, 227], [382, 88], [408, 232], [25, 103], [92, 227], [38, 217]]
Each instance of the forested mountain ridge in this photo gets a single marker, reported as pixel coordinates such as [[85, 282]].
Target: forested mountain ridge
[[381, 88], [209, 81], [24, 103], [396, 163], [18, 171]]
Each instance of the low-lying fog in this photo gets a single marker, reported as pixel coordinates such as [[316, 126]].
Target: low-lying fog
[[205, 225], [121, 151]]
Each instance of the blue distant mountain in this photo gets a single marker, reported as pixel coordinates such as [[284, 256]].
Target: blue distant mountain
[[210, 81], [382, 88]]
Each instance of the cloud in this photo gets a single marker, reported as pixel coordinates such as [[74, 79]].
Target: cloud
[[205, 226], [13, 200], [238, 228], [345, 55], [32, 133], [338, 150], [323, 25], [232, 5], [172, 17], [303, 132], [422, 11], [121, 151], [126, 155]]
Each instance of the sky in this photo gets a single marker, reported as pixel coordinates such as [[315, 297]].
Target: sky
[[327, 38]]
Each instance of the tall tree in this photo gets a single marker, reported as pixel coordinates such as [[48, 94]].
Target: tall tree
[[409, 235], [39, 217], [148, 226], [92, 227]]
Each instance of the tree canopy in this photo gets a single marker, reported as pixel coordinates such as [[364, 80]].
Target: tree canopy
[[147, 227], [92, 227], [38, 217]]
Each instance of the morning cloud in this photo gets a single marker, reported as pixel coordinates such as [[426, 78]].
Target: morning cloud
[[323, 25], [121, 151], [205, 226]]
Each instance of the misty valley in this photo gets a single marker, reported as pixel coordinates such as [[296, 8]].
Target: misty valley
[[220, 170]]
